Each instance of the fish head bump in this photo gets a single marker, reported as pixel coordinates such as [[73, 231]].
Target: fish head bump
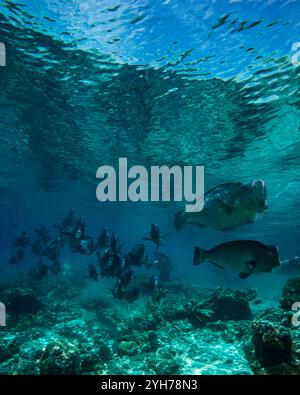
[[272, 260], [259, 190]]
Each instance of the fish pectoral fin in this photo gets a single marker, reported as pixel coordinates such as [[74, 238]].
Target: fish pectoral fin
[[243, 275], [251, 265]]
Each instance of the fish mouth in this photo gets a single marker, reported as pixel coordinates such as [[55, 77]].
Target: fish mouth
[[276, 267], [275, 254], [260, 192], [264, 207]]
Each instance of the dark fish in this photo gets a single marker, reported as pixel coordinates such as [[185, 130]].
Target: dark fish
[[103, 261], [17, 256], [67, 223], [155, 235], [242, 256], [135, 256], [115, 244], [78, 230], [125, 277], [103, 239], [117, 264], [87, 246], [43, 234], [22, 240], [227, 206], [110, 265], [52, 249]]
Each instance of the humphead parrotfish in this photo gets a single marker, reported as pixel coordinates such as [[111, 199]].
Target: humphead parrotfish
[[242, 256], [227, 206]]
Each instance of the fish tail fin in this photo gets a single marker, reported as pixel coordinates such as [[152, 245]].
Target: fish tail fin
[[200, 255], [180, 220]]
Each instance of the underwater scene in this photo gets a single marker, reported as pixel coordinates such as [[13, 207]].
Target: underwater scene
[[105, 101]]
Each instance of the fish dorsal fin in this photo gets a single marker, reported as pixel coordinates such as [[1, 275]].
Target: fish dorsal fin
[[243, 275]]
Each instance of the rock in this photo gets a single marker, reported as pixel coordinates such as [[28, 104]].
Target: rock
[[221, 305], [228, 304], [168, 308], [31, 343], [105, 352], [90, 359], [197, 315], [272, 343], [94, 304], [175, 334], [290, 293], [60, 358], [277, 316], [152, 341], [166, 362], [4, 354], [127, 348], [145, 322], [231, 331], [26, 368], [21, 301]]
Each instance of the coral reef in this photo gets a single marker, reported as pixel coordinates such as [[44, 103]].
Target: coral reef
[[182, 329], [228, 304], [21, 301], [290, 293], [59, 357], [272, 343]]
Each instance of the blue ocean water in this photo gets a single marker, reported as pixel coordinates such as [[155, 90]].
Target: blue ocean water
[[174, 82]]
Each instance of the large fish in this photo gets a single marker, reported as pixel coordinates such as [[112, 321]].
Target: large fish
[[227, 206], [243, 256]]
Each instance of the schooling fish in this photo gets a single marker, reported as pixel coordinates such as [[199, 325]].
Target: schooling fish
[[103, 239], [155, 236], [135, 256], [227, 206], [242, 256]]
